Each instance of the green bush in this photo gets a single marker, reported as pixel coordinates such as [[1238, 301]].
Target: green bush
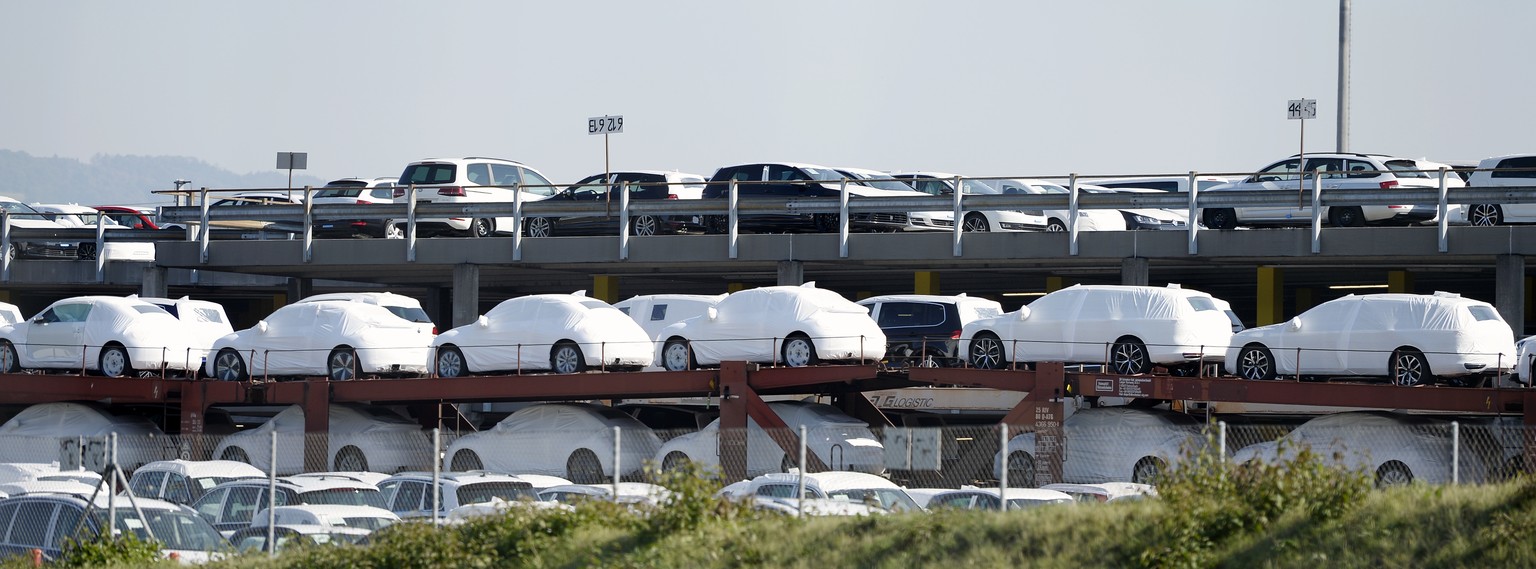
[[123, 550]]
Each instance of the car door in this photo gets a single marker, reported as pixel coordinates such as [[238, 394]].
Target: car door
[[295, 342], [1282, 175], [1518, 171], [1049, 332], [1317, 341], [590, 190], [55, 337]]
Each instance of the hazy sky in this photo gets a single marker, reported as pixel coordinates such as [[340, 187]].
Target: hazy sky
[[1010, 87]]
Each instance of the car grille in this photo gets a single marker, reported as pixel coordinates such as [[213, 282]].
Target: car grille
[[882, 217]]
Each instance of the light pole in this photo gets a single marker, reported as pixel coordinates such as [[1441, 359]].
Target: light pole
[[177, 196]]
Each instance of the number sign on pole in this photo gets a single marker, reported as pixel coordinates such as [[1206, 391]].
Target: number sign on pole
[[1301, 109], [606, 125]]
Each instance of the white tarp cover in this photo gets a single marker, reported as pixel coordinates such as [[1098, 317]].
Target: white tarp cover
[[540, 439], [1075, 324], [34, 434], [1369, 440], [1105, 444], [521, 332], [657, 311], [10, 314], [751, 324], [76, 328], [299, 339], [387, 441], [827, 428]]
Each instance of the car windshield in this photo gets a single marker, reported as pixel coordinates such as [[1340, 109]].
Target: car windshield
[[367, 523], [882, 182], [344, 497], [824, 175], [427, 174], [339, 193], [17, 207], [185, 531], [1406, 169], [481, 492], [411, 313], [978, 187], [892, 499]]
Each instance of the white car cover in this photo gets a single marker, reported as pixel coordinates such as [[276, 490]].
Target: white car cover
[[42, 432], [654, 312], [1394, 447], [311, 339], [1109, 444], [360, 438], [203, 321], [753, 325], [75, 332], [572, 440], [10, 314], [840, 441], [538, 332]]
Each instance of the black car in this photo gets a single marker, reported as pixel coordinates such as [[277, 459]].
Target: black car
[[643, 185], [788, 181], [921, 330]]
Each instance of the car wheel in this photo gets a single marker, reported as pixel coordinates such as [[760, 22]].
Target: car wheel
[[716, 224], [1409, 367], [1021, 470], [539, 227], [1393, 473], [975, 222], [931, 358], [229, 366], [450, 362], [1128, 355], [1221, 218], [342, 364], [677, 355], [350, 459], [9, 363], [644, 225], [565, 357], [86, 252], [583, 467], [393, 230], [987, 352], [1055, 226], [482, 227], [465, 460], [798, 351], [1485, 214], [1148, 470], [1255, 362], [113, 361], [236, 454], [1346, 217], [674, 462]]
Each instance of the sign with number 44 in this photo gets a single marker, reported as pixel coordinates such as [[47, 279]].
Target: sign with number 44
[[1301, 109]]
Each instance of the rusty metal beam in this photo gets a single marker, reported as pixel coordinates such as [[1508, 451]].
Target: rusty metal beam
[[584, 386], [733, 420], [317, 426], [23, 388], [774, 378], [1455, 399], [1004, 379]]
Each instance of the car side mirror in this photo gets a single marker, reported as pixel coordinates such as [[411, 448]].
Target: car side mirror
[[1294, 324], [483, 322], [1023, 313], [713, 313], [261, 326], [39, 320]]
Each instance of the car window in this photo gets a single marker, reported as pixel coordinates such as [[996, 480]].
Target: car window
[[478, 173], [541, 186], [1326, 167], [7, 513], [176, 489], [212, 503], [910, 314], [505, 174], [149, 309], [1281, 171], [1484, 313], [1406, 169], [386, 193], [1505, 167], [428, 174], [242, 504], [780, 491], [344, 497], [63, 526], [147, 483], [658, 312], [481, 492], [339, 193], [1200, 303], [408, 496], [31, 525], [74, 312]]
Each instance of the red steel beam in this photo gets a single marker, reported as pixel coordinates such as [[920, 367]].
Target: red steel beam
[[774, 378], [21, 388], [1428, 398], [613, 385], [1003, 379]]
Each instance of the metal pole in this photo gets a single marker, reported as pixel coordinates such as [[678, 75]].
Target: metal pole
[[732, 216], [1002, 478], [272, 499], [203, 230], [842, 215], [111, 486], [437, 470], [623, 218], [7, 249], [959, 219], [101, 247], [1455, 452], [517, 221], [1221, 441], [1317, 213], [800, 480], [410, 224], [1194, 214], [1343, 111], [309, 223], [616, 433], [1072, 193], [1444, 212]]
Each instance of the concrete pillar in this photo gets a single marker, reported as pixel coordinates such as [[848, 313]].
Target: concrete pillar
[[1054, 283], [1305, 298], [300, 288], [791, 273], [1400, 282], [1509, 291], [154, 283], [466, 294], [1135, 271], [925, 282], [605, 288], [1271, 302]]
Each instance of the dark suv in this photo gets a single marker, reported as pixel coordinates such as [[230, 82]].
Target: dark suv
[[921, 330], [785, 180]]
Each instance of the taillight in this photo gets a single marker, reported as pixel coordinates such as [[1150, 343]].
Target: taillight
[[362, 202], [954, 335], [434, 330], [1389, 184], [451, 192], [397, 192], [671, 196]]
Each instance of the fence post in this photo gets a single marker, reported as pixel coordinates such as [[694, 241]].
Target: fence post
[[101, 248], [616, 472], [410, 224], [437, 470], [517, 222], [203, 230], [111, 485], [309, 223], [7, 248], [1455, 451], [1221, 441], [1444, 212], [272, 500], [1002, 477], [800, 480], [1317, 212], [1072, 193], [959, 218], [624, 220]]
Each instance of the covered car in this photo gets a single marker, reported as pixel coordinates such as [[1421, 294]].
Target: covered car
[[108, 334], [563, 333], [1130, 328], [401, 305], [654, 312], [572, 440], [1411, 338], [792, 325], [361, 438], [858, 487], [1395, 448], [840, 441], [1525, 359], [1109, 444], [44, 432], [10, 314], [205, 321], [339, 339]]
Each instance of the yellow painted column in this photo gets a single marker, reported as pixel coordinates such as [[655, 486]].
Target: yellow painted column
[[605, 288], [1400, 281], [279, 300], [925, 282], [863, 294], [5, 295], [1305, 298], [735, 287], [1054, 283], [1271, 302]]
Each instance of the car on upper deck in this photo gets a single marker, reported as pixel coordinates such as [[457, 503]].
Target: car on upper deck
[[1335, 171], [468, 181]]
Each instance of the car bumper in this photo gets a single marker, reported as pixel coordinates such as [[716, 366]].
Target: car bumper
[[45, 250]]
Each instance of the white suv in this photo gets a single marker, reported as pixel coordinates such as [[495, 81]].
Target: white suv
[[1513, 170], [470, 180], [1339, 171]]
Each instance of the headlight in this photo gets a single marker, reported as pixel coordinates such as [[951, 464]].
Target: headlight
[[1144, 220]]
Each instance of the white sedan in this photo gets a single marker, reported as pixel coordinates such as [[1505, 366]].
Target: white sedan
[[840, 441], [108, 334], [1131, 328], [564, 333], [793, 325], [342, 340], [1109, 444], [1411, 338], [1393, 447], [573, 440], [362, 438]]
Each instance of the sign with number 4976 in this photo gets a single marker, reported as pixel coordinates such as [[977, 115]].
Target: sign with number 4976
[[605, 125]]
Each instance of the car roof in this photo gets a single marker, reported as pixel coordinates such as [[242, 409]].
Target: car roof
[[466, 159], [830, 481], [460, 477], [956, 299], [379, 298], [305, 484], [201, 468]]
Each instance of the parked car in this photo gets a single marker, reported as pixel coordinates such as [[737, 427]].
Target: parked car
[[840, 441], [788, 180], [1162, 183], [1339, 171], [653, 312], [572, 440], [992, 499], [361, 191], [203, 321], [45, 522], [333, 515], [1057, 219], [1131, 328], [1394, 447], [339, 339], [643, 185], [1500, 171], [856, 487], [75, 216], [400, 305], [361, 438], [34, 434], [629, 493], [254, 538], [252, 199], [136, 217], [1105, 492], [112, 335], [563, 333], [796, 325], [1144, 218], [21, 215], [922, 329], [1411, 338], [1525, 360], [943, 184], [467, 181], [184, 481], [408, 493], [233, 505], [1109, 444], [887, 220]]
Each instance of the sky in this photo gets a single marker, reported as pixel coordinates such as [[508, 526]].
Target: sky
[[1017, 87]]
